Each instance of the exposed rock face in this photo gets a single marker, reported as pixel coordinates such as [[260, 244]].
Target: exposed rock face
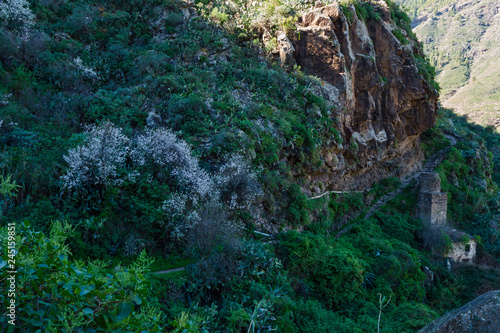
[[480, 315], [286, 50], [382, 103]]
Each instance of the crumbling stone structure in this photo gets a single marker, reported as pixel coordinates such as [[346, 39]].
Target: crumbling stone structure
[[463, 248], [432, 207], [432, 204]]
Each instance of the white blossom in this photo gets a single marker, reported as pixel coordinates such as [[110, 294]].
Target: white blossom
[[175, 205], [16, 10], [238, 184], [101, 159], [89, 72], [4, 99], [7, 122], [97, 161], [162, 147]]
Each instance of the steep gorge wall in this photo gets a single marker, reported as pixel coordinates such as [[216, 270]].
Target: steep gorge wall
[[381, 102]]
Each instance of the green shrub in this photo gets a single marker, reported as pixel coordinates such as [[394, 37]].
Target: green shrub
[[333, 269], [366, 11], [400, 36], [89, 296], [297, 209], [311, 316]]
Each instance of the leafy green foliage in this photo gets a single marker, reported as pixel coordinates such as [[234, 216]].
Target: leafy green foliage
[[87, 295], [427, 71], [366, 11], [400, 36], [433, 141], [311, 316]]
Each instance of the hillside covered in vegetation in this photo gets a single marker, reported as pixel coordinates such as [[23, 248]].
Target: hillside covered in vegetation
[[462, 41], [207, 166]]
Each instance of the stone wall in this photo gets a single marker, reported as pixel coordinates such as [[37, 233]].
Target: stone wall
[[461, 252], [432, 207], [430, 182], [464, 246]]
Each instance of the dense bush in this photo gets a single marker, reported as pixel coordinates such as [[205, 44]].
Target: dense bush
[[56, 294]]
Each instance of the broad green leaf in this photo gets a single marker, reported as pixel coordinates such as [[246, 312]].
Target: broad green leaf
[[124, 309], [77, 271], [88, 312], [36, 322], [86, 289], [103, 321]]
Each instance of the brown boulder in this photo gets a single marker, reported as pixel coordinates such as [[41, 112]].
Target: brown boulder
[[480, 315]]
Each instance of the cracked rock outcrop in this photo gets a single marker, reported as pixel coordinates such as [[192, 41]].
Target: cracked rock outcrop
[[381, 101]]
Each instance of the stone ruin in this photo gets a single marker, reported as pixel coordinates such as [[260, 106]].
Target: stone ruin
[[432, 207], [463, 248], [432, 204]]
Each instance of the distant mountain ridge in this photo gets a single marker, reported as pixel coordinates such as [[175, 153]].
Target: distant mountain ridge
[[462, 39], [415, 7]]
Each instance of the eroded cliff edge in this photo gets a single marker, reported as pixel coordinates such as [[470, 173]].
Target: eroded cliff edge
[[382, 102]]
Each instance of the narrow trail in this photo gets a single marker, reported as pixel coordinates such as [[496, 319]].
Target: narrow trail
[[429, 166], [170, 270], [179, 269]]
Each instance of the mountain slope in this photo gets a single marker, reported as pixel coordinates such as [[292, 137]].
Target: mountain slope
[[165, 128], [462, 39]]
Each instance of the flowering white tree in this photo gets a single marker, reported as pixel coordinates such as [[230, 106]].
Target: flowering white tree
[[237, 183], [16, 10], [163, 148], [97, 161], [101, 160]]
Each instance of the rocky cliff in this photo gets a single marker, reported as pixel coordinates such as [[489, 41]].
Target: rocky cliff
[[382, 102]]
